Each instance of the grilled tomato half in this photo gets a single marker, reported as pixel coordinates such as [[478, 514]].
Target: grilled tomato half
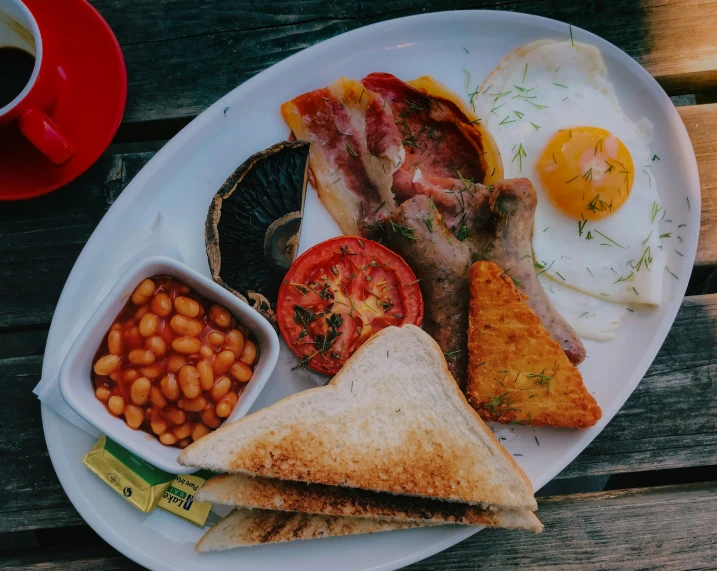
[[339, 293]]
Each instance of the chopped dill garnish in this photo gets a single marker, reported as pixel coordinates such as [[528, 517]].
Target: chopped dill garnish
[[624, 278], [535, 104], [682, 225], [630, 309], [465, 50], [561, 277], [468, 77], [645, 259], [518, 282], [560, 85], [572, 179], [688, 203], [572, 42], [520, 153], [655, 211], [546, 228], [463, 233], [487, 88], [655, 158], [379, 207], [666, 235], [525, 71], [589, 235], [583, 314], [581, 226], [501, 94], [429, 224], [518, 114], [679, 253], [536, 127], [609, 167], [351, 150], [588, 269], [648, 237], [588, 174], [494, 108], [404, 231], [609, 239], [598, 144], [557, 68], [670, 272], [633, 289], [555, 161], [505, 121]]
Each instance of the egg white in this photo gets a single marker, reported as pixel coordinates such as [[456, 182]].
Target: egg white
[[557, 85]]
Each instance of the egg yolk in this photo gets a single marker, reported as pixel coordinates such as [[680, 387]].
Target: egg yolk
[[586, 172]]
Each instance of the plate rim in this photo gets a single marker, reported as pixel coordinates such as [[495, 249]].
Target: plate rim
[[138, 184]]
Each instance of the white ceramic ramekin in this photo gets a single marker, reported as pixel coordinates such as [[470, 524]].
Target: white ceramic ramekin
[[76, 384]]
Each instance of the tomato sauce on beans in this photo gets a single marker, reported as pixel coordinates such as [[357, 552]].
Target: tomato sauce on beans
[[173, 363]]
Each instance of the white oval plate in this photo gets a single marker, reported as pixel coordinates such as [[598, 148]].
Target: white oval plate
[[181, 180]]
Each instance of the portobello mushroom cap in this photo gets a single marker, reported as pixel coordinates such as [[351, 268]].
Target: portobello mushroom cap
[[254, 222]]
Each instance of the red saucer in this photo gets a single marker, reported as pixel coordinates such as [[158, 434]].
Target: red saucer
[[89, 107]]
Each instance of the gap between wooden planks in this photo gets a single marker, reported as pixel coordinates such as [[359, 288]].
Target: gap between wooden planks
[[668, 422]]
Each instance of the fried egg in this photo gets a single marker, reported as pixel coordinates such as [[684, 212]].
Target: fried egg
[[557, 121]]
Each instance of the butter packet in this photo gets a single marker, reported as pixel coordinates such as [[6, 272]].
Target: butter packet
[[136, 480], [178, 499]]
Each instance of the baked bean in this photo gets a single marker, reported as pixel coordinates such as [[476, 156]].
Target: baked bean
[[170, 358], [184, 430], [209, 417], [221, 388], [186, 345], [185, 326], [139, 391], [169, 387], [157, 398], [175, 361], [133, 338], [141, 312], [189, 381], [161, 305], [234, 342], [105, 365], [148, 324], [186, 306], [152, 371], [174, 415], [167, 439], [248, 355], [220, 316], [225, 406], [196, 404], [223, 362], [141, 357], [157, 345], [134, 416], [206, 375], [215, 338], [103, 394], [143, 292], [114, 342], [159, 426], [116, 405], [131, 375], [241, 372], [199, 430]]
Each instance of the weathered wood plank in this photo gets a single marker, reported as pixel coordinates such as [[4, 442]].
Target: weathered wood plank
[[642, 436], [40, 239], [671, 527], [183, 55], [701, 123]]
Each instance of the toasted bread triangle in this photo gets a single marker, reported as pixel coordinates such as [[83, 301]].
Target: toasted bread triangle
[[244, 527], [255, 492], [516, 372], [392, 420]]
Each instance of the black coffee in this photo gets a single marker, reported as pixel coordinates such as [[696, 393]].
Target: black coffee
[[16, 67]]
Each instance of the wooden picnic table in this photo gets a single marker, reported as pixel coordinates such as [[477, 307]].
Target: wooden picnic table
[[642, 495]]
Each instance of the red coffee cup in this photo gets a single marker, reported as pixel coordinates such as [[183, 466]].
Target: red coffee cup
[[29, 109]]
